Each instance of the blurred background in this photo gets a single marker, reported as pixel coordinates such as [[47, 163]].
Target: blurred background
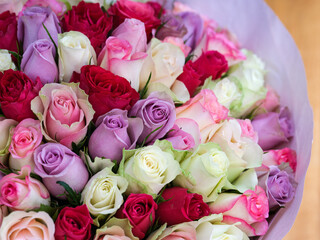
[[302, 19]]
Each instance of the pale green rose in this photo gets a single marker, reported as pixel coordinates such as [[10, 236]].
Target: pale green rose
[[6, 126], [6, 62], [103, 193], [205, 171], [150, 168]]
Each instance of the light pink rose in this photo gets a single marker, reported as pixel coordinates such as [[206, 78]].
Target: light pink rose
[[247, 129], [64, 111], [222, 42], [179, 43], [22, 192], [14, 6], [57, 6], [124, 52], [190, 126], [270, 103], [204, 108], [3, 213], [27, 225], [249, 209], [6, 125], [184, 233], [26, 137], [279, 156], [111, 233]]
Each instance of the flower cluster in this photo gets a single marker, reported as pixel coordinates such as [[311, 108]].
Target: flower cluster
[[132, 121]]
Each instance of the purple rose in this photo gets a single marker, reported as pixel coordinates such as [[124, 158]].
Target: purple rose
[[55, 162], [273, 128], [279, 186], [38, 61], [173, 27], [194, 25], [180, 139], [30, 26], [158, 115], [117, 131]]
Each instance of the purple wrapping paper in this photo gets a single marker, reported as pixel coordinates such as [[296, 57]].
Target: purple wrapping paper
[[258, 29]]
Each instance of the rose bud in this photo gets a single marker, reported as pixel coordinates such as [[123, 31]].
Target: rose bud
[[22, 192], [6, 125], [119, 131], [38, 225], [276, 157], [158, 115], [64, 112], [26, 137], [55, 162], [180, 139], [6, 62], [280, 128], [181, 206], [140, 210], [247, 129], [30, 26], [190, 77], [73, 223], [8, 29], [38, 61], [16, 93]]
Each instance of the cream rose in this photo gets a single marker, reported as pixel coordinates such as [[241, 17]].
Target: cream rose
[[75, 51], [103, 193], [6, 61], [5, 138]]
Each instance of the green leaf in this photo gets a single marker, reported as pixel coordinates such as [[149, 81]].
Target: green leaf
[[145, 88], [52, 211], [55, 45], [68, 5], [18, 57], [73, 198], [189, 57], [5, 171], [161, 26]]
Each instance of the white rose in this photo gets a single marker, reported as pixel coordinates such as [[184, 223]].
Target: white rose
[[103, 193], [75, 51], [151, 168], [6, 61]]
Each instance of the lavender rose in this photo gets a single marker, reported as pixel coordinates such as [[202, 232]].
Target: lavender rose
[[158, 115], [180, 139], [55, 162], [116, 129], [30, 26], [38, 61], [279, 130], [173, 26]]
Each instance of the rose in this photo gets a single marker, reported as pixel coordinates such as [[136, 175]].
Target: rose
[[277, 157], [16, 93], [75, 48], [124, 52], [22, 192], [106, 91], [190, 77], [123, 9], [112, 233], [55, 162], [30, 26], [5, 138], [64, 112], [191, 127], [73, 223], [157, 114], [8, 30], [270, 103], [3, 213], [247, 129], [180, 139], [180, 206], [116, 129], [173, 27], [26, 137], [103, 193], [89, 19], [38, 225], [151, 167], [280, 128], [13, 6], [255, 210], [140, 210], [6, 62], [208, 164], [38, 61], [179, 43], [183, 231], [56, 6], [205, 109]]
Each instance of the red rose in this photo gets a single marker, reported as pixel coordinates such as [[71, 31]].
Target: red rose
[[190, 77], [140, 210], [106, 91], [89, 19], [181, 206], [158, 9], [73, 224], [144, 12], [8, 31], [16, 92]]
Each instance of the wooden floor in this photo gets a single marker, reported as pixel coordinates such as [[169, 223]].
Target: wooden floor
[[302, 19]]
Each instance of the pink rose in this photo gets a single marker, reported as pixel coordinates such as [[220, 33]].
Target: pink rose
[[14, 6], [180, 139], [111, 233], [191, 127], [247, 129], [21, 192], [179, 43], [270, 103], [27, 225], [124, 52], [249, 209], [26, 137], [204, 108], [276, 157], [5, 138], [64, 111], [221, 42]]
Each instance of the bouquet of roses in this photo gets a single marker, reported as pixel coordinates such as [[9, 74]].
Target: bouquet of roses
[[135, 120]]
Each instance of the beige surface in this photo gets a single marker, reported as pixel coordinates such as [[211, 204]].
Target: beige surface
[[302, 19]]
